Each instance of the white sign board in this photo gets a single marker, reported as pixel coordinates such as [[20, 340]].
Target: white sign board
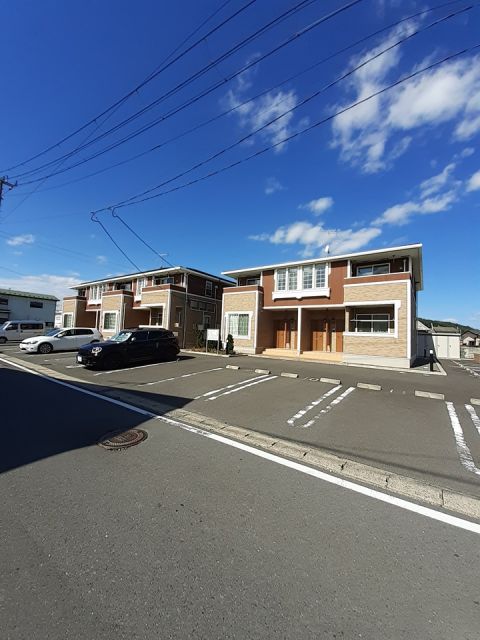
[[213, 334]]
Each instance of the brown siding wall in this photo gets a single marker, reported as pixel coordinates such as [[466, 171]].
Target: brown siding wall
[[389, 277], [84, 318]]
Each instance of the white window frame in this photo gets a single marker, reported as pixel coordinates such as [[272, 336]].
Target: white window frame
[[376, 303], [156, 308], [65, 315], [300, 291], [372, 317], [105, 313], [139, 285], [239, 313], [95, 293]]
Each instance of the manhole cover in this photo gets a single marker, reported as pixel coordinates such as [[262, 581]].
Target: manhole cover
[[123, 439]]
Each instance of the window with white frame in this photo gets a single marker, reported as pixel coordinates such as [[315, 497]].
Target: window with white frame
[[292, 279], [67, 320], [320, 276], [110, 321], [140, 284], [310, 277], [281, 279], [373, 269], [96, 291], [156, 316], [238, 325], [373, 323]]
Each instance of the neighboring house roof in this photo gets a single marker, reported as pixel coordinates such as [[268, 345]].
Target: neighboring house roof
[[421, 326], [439, 328], [469, 332], [161, 271], [412, 250], [27, 294]]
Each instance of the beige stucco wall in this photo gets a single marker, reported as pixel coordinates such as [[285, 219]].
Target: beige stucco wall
[[238, 302], [154, 297], [112, 303], [69, 306], [379, 346]]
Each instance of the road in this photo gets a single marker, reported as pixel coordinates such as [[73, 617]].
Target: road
[[431, 440], [183, 536]]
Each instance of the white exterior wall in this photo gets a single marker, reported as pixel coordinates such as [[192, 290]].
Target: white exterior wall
[[20, 309], [444, 346]]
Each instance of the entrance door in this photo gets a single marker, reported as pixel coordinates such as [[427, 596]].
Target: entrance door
[[318, 333], [281, 329], [340, 326], [285, 334]]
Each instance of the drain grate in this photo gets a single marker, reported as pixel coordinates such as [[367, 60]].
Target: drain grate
[[123, 440]]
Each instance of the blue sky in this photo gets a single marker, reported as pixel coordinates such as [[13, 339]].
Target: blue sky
[[401, 167]]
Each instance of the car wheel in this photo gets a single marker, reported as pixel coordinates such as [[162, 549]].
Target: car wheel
[[112, 361], [3, 340], [45, 347]]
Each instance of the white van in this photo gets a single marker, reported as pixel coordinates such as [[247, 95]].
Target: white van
[[14, 330]]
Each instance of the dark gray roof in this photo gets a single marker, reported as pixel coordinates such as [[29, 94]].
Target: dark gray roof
[[440, 328], [27, 294]]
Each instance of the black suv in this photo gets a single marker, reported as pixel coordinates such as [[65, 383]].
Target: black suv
[[130, 345]]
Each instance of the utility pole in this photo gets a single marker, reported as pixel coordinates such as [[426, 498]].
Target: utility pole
[[4, 182]]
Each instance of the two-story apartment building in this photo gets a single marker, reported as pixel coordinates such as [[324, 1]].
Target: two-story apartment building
[[180, 299], [355, 308]]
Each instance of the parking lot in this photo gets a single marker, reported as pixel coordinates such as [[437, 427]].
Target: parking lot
[[436, 440]]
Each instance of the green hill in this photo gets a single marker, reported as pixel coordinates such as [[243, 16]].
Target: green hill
[[462, 327]]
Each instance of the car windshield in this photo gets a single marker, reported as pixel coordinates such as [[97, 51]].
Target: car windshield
[[121, 337], [53, 332], [2, 326]]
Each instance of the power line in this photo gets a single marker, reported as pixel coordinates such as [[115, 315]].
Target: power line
[[128, 203], [237, 106], [61, 162], [115, 215], [294, 108], [94, 218], [299, 6], [135, 90]]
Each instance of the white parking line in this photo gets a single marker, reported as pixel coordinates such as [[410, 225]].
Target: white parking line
[[142, 366], [227, 393], [474, 417], [229, 386], [329, 407], [428, 512], [463, 451], [291, 421], [185, 375]]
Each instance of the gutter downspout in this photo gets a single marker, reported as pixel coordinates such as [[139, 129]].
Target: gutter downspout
[[185, 311]]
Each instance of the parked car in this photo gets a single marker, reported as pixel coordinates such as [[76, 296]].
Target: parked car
[[15, 330], [130, 345], [61, 340]]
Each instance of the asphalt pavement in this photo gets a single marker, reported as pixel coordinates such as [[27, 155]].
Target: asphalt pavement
[[429, 439], [184, 536]]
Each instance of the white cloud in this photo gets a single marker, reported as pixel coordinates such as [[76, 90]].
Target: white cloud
[[467, 152], [316, 236], [43, 283], [272, 186], [17, 241], [474, 182], [319, 205], [101, 259], [400, 214], [436, 183], [256, 114], [366, 134]]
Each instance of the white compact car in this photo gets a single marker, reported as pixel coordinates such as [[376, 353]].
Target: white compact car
[[61, 340]]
